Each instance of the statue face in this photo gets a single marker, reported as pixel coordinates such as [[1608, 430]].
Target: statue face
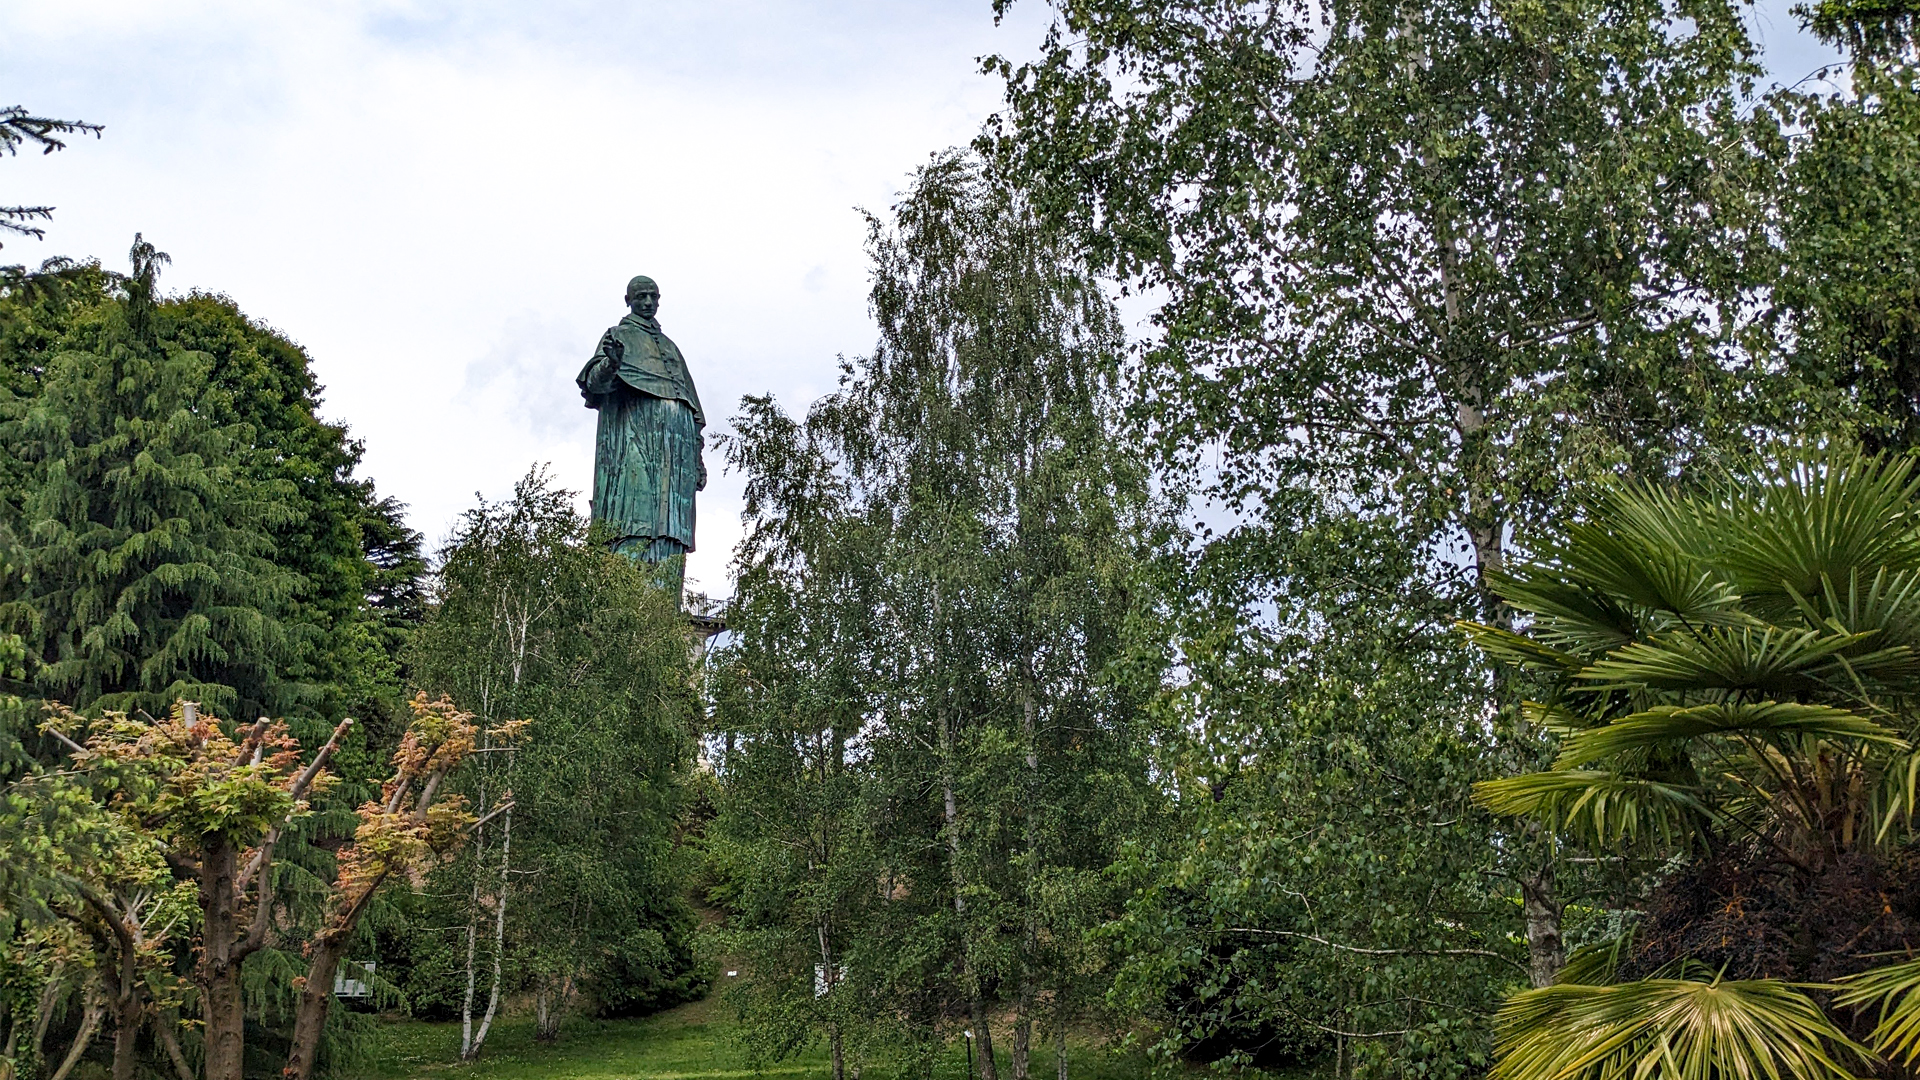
[[644, 302]]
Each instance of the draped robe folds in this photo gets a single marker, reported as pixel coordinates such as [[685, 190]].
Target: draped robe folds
[[647, 452]]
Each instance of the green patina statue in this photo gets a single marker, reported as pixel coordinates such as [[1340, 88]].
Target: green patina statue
[[646, 459]]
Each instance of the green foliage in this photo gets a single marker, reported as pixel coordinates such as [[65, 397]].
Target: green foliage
[[932, 710], [174, 518], [1328, 892], [1438, 261], [1852, 238], [1686, 1029], [248, 507], [1429, 272], [1757, 727], [580, 663], [1777, 686], [145, 570]]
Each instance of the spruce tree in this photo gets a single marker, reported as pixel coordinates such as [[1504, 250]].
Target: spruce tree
[[144, 567]]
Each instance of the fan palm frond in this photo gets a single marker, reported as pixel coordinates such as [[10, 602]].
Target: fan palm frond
[[1568, 616], [1657, 577], [1675, 1029], [1895, 991], [1769, 659], [1769, 720], [1821, 515], [1594, 964], [1885, 605], [1518, 650], [1607, 807], [1898, 796], [1557, 720]]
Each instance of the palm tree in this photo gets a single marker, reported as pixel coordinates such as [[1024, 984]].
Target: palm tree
[[1733, 680]]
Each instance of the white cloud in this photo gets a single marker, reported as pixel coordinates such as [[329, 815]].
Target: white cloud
[[443, 199]]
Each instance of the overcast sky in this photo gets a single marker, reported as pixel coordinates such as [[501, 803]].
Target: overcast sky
[[443, 199]]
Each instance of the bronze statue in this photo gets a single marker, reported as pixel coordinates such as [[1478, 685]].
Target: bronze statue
[[646, 459]]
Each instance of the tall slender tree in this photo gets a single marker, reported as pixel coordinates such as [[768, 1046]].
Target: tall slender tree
[[960, 525], [576, 887]]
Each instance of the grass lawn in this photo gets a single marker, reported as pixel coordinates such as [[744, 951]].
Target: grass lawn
[[693, 1042]]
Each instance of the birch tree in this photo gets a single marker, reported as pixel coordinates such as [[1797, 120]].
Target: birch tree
[[939, 598], [1434, 265], [574, 876]]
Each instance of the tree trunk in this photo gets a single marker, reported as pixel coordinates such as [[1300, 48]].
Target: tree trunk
[[163, 1031], [1545, 953], [1030, 931], [829, 976], [983, 1035], [221, 1004], [473, 926], [545, 1017], [1060, 1051], [49, 997], [316, 997], [550, 1005], [14, 1026], [89, 1023], [499, 934], [989, 1069], [125, 1002], [126, 1036]]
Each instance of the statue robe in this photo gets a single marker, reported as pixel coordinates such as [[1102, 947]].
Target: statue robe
[[646, 460]]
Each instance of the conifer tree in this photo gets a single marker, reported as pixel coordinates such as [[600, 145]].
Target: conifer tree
[[145, 567]]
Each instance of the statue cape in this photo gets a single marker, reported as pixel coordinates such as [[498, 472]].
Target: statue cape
[[649, 362]]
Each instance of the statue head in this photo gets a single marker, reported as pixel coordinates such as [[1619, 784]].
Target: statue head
[[643, 296]]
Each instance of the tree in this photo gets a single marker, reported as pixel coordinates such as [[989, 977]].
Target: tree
[[356, 566], [399, 835], [1848, 309], [1326, 896], [169, 466], [216, 800], [1425, 271], [793, 841], [577, 887], [91, 911], [938, 685], [145, 569], [1731, 679]]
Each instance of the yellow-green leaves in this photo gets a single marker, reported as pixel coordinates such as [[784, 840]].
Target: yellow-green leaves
[[1604, 807], [1895, 990], [1671, 1029]]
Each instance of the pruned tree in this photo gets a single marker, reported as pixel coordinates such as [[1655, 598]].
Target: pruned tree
[[412, 824], [216, 800]]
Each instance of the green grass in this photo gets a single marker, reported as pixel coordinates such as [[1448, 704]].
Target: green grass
[[693, 1042]]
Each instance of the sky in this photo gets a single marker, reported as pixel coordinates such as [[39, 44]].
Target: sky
[[442, 200]]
